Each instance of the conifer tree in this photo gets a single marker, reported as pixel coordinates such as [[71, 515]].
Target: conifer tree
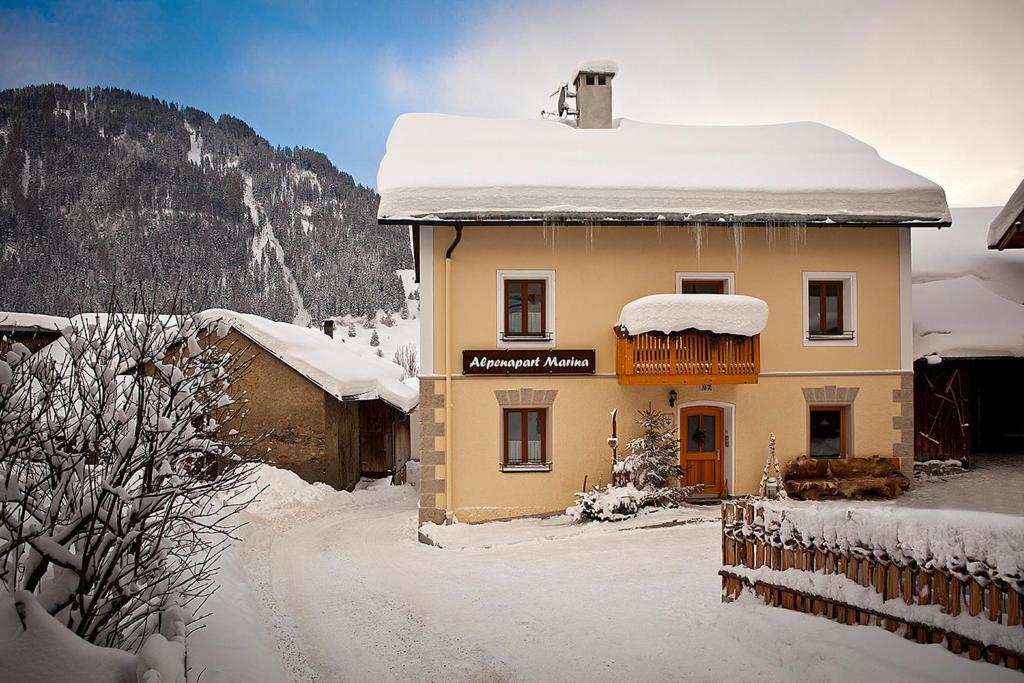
[[375, 339]]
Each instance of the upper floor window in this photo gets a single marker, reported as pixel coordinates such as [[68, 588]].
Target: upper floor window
[[830, 309], [704, 283], [525, 307]]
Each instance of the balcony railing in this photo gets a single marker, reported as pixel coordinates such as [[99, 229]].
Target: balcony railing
[[692, 357]]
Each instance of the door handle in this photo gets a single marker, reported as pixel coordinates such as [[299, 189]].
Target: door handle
[[718, 454]]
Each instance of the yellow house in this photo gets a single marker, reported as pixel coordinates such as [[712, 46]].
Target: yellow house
[[780, 257]]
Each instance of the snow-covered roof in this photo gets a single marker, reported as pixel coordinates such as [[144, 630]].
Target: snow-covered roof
[[968, 300], [1008, 217], [594, 66], [323, 360], [441, 168], [10, 321], [719, 313]]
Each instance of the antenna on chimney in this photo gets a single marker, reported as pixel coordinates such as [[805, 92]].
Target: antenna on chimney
[[564, 109]]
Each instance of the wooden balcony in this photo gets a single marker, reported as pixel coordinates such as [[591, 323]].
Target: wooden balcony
[[692, 357]]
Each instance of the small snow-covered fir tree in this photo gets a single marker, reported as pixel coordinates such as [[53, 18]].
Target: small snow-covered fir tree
[[375, 339], [389, 320], [351, 329], [649, 476]]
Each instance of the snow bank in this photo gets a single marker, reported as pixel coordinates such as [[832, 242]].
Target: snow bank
[[10, 320], [439, 166], [46, 650], [323, 360], [283, 490], [719, 313]]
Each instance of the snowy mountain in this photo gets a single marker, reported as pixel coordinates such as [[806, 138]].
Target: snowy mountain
[[102, 186]]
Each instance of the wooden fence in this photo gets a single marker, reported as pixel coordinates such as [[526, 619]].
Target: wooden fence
[[748, 544]]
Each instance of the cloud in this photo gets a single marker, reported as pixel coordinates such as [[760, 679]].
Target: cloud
[[934, 86]]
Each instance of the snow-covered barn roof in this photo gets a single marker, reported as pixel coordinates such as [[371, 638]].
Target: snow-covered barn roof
[[323, 360], [31, 322], [1009, 223], [445, 169], [968, 301], [719, 313]]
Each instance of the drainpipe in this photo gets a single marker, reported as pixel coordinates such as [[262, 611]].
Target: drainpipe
[[449, 512]]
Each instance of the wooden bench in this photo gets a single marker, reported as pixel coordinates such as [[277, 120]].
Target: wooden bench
[[810, 478]]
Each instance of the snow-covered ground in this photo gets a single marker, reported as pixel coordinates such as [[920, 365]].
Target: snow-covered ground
[[334, 586], [401, 333]]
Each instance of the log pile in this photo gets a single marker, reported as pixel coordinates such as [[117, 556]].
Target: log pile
[[810, 478]]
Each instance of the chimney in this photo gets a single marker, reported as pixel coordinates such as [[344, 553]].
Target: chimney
[[593, 83], [329, 327]]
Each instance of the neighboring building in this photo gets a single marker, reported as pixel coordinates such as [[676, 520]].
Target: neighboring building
[[537, 241], [1007, 229], [968, 341], [333, 414], [31, 329]]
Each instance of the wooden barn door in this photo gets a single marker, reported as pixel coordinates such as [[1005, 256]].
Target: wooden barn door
[[700, 452], [374, 438]]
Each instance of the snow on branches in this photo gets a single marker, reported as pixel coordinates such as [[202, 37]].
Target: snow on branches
[[118, 489], [649, 476]]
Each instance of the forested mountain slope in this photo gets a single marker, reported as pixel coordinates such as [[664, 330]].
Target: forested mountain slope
[[102, 186]]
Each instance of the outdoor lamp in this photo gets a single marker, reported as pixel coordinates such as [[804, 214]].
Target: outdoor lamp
[[672, 395]]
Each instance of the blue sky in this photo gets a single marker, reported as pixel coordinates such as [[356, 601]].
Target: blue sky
[[934, 85], [300, 73]]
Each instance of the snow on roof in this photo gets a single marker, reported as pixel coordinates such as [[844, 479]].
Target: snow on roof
[[962, 318], [594, 66], [439, 167], [720, 313], [10, 321], [968, 300], [323, 360], [1002, 223]]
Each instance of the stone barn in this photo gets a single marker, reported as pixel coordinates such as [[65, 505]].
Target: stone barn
[[333, 414]]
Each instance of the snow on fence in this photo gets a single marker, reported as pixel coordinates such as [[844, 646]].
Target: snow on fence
[[937, 576]]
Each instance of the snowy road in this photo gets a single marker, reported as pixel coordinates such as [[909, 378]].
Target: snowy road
[[347, 594]]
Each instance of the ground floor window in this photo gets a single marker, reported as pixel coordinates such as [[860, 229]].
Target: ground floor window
[[828, 430], [525, 437]]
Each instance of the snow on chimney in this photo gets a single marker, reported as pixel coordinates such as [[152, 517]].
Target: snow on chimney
[[593, 83]]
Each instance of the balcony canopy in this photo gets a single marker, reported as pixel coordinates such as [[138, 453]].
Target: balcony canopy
[[719, 313]]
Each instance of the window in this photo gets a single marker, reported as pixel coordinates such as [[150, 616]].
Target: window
[[825, 306], [830, 309], [525, 438], [828, 431], [526, 308], [704, 283], [600, 79], [590, 79]]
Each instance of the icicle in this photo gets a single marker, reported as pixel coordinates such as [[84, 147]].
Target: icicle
[[737, 240]]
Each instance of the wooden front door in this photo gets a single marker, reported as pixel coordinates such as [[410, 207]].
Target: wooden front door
[[374, 441], [701, 446]]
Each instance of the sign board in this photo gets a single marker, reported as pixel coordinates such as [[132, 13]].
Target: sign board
[[705, 388], [528, 362]]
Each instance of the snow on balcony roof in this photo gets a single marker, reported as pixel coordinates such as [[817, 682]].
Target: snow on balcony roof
[[968, 300], [719, 313], [594, 66], [441, 168], [11, 321], [323, 360], [1010, 214]]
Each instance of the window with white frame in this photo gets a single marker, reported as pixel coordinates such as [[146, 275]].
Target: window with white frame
[[830, 309], [526, 308], [705, 283]]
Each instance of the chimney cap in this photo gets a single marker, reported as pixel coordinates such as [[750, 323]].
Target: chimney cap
[[595, 66]]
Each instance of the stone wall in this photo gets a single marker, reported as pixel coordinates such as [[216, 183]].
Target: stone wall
[[904, 422], [432, 457]]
